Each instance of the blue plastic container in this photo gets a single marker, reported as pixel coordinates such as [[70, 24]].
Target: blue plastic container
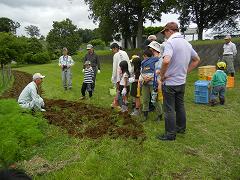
[[201, 92]]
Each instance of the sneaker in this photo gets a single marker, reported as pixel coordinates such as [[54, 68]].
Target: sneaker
[[82, 98], [165, 137], [124, 108], [42, 110]]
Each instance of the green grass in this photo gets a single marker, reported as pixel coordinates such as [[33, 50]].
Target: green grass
[[209, 150], [4, 85]]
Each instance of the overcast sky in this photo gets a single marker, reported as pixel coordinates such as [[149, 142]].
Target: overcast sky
[[42, 13]]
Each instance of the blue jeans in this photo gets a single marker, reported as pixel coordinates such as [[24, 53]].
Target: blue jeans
[[174, 110], [217, 91]]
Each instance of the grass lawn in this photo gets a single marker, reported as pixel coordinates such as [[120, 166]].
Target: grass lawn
[[209, 150]]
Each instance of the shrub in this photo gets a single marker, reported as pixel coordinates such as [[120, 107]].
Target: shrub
[[97, 43], [27, 58], [41, 58], [18, 131]]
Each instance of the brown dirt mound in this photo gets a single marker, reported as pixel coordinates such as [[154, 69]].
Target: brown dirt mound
[[79, 119]]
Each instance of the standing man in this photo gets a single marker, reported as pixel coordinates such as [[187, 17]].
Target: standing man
[[119, 55], [29, 97], [148, 41], [66, 62], [94, 60], [229, 52], [179, 58]]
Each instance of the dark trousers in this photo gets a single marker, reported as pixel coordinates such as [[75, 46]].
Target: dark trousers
[[87, 87], [174, 110]]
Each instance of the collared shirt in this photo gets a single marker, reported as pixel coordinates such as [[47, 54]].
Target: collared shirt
[[180, 52], [229, 49], [93, 58], [29, 93], [117, 58], [66, 61]]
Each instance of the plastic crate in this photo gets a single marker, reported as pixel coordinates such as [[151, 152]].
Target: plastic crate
[[201, 85], [230, 82], [205, 71], [201, 99], [201, 93]]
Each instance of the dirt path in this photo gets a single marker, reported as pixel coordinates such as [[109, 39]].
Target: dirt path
[[79, 119]]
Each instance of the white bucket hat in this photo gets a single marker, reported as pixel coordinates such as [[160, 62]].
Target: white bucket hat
[[156, 46], [38, 76]]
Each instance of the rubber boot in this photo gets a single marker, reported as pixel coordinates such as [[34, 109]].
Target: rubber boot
[[222, 101], [145, 116]]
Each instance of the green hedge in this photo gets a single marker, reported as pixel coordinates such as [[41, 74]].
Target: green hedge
[[41, 58]]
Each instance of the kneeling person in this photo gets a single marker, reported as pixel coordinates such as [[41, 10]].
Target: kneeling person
[[29, 97]]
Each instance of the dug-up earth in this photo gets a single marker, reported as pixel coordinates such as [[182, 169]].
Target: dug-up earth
[[79, 119]]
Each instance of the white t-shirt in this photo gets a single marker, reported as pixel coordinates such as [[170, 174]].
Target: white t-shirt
[[122, 79], [117, 58]]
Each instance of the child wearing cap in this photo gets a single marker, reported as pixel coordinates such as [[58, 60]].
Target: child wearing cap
[[88, 80], [149, 80], [218, 84], [136, 63]]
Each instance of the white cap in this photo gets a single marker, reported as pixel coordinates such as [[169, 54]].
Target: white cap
[[156, 46], [38, 76], [89, 46], [228, 37], [152, 37]]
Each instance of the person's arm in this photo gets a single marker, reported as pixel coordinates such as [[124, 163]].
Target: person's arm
[[165, 64], [60, 62], [98, 62], [115, 67], [71, 61], [84, 60], [194, 63], [234, 49]]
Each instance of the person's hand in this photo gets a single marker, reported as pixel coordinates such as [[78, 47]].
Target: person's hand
[[83, 70], [98, 71], [124, 91]]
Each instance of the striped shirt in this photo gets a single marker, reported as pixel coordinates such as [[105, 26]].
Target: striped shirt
[[88, 75]]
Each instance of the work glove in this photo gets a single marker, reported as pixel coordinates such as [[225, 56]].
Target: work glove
[[98, 71], [124, 91], [83, 70], [132, 79]]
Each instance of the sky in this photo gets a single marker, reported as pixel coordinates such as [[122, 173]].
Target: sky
[[42, 13]]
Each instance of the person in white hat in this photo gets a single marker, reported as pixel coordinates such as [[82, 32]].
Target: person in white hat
[[94, 60], [66, 62], [149, 40], [29, 97], [229, 52]]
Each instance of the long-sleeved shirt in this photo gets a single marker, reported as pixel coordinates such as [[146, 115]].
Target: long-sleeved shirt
[[229, 49], [117, 58], [88, 75], [93, 58], [29, 93], [66, 61], [219, 78]]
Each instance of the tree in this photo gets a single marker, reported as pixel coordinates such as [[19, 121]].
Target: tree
[[127, 16], [8, 25], [64, 34], [206, 13], [152, 30], [32, 31]]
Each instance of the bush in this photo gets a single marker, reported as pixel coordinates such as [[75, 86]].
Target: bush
[[18, 131], [97, 43], [27, 58], [40, 58]]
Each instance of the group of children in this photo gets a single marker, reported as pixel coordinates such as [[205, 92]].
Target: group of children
[[143, 80]]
